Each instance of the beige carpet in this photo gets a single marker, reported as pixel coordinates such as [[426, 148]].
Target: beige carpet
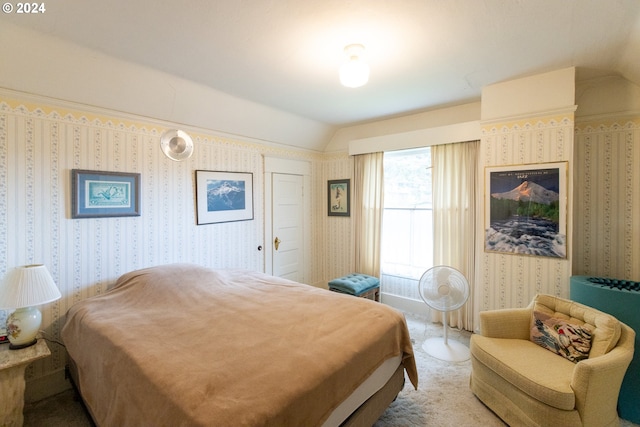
[[443, 397]]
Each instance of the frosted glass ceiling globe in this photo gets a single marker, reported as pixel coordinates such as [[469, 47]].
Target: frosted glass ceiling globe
[[354, 72]]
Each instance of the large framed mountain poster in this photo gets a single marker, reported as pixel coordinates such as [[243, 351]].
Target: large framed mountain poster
[[526, 209]]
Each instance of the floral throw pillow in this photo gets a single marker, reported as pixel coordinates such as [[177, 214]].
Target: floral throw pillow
[[570, 341]]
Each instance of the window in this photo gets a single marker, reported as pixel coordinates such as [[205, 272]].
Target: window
[[407, 227]]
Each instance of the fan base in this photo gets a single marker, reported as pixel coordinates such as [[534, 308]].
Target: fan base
[[451, 351]]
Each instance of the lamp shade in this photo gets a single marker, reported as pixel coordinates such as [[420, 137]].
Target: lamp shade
[[27, 286]]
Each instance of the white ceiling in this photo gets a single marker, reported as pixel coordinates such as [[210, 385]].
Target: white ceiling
[[286, 53]]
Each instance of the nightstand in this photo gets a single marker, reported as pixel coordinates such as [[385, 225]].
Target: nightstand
[[13, 363]]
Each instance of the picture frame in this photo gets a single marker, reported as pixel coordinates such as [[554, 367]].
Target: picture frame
[[223, 196], [99, 194], [526, 209], [4, 335], [339, 197]]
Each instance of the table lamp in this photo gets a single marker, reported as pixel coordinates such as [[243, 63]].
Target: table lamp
[[23, 289]]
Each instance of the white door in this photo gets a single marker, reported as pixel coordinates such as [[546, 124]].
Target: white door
[[288, 226]]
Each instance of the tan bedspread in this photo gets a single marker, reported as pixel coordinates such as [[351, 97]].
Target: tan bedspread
[[184, 345]]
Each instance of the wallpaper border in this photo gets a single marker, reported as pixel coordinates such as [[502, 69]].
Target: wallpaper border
[[80, 114], [530, 124]]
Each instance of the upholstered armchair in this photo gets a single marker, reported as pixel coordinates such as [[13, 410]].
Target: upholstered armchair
[[570, 375]]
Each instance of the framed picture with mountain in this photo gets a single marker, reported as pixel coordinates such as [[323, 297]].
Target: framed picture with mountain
[[526, 209], [223, 196]]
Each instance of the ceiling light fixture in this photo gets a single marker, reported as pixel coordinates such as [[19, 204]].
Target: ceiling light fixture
[[354, 72]]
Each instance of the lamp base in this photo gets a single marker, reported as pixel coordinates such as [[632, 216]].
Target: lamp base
[[20, 346], [22, 326]]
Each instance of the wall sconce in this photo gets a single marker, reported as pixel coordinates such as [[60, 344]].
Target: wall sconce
[[354, 72], [24, 289]]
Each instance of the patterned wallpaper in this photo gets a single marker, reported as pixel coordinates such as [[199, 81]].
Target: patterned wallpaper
[[336, 231], [607, 197], [41, 143], [507, 280]]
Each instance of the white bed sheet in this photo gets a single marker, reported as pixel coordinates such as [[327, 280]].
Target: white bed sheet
[[368, 388]]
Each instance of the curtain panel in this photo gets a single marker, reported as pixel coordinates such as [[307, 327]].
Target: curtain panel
[[367, 213], [455, 209]]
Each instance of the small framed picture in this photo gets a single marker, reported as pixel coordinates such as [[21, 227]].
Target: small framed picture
[[223, 196], [339, 197], [97, 194]]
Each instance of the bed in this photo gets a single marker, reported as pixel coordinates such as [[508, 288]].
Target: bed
[[185, 345]]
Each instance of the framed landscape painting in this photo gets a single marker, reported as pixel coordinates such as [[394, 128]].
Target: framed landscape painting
[[97, 194], [526, 209], [223, 196]]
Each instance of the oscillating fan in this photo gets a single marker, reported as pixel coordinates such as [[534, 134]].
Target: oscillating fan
[[444, 289]]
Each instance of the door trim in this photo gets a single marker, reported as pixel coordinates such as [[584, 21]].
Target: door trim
[[294, 167]]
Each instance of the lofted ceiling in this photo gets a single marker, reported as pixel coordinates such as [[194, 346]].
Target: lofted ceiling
[[285, 54]]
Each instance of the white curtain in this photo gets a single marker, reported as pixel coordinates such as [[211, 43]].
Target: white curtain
[[455, 198], [367, 212]]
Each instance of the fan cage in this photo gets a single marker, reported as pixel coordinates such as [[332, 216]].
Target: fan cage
[[443, 288]]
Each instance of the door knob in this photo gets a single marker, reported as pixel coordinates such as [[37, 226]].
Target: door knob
[[276, 243]]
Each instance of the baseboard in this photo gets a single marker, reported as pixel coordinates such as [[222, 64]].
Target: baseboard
[[405, 304], [322, 285], [46, 386]]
